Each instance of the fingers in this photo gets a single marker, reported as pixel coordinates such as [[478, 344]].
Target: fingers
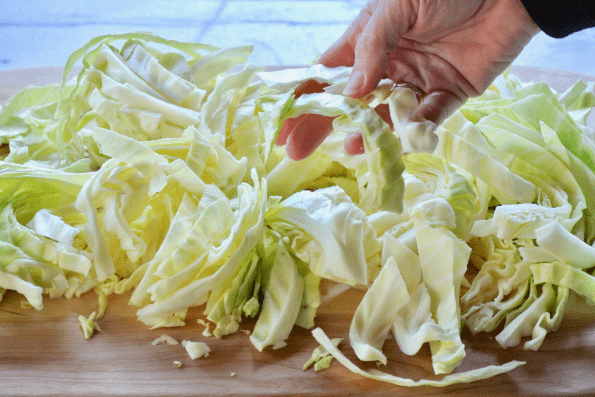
[[290, 125], [354, 144], [437, 106], [342, 51], [377, 42], [302, 135], [308, 133], [305, 133], [366, 45]]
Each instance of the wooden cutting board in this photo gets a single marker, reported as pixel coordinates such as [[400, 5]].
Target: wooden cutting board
[[44, 352]]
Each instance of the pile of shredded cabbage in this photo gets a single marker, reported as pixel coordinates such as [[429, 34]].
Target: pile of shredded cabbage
[[155, 171]]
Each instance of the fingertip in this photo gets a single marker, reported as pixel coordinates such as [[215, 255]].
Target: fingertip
[[307, 135], [288, 126], [354, 84], [295, 155], [338, 54], [363, 80], [354, 144]]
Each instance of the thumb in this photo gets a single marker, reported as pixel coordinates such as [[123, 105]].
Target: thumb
[[376, 43]]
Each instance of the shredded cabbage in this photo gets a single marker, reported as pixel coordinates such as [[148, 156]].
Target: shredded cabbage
[[155, 171]]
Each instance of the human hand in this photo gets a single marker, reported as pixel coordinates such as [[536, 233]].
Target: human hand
[[448, 49]]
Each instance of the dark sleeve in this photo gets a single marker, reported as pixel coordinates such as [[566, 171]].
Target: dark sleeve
[[562, 17]]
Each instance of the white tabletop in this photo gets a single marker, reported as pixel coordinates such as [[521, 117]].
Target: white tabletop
[[284, 32]]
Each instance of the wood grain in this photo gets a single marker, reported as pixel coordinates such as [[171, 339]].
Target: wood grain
[[43, 353]]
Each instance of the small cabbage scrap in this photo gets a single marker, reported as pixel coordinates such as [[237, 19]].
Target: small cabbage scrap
[[322, 355], [164, 339], [196, 349], [207, 325], [88, 325]]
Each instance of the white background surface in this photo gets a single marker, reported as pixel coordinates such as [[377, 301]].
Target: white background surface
[[284, 32]]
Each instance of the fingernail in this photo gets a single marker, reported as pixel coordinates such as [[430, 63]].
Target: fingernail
[[356, 80]]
